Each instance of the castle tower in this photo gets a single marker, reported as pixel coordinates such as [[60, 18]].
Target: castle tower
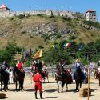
[[91, 16], [3, 7]]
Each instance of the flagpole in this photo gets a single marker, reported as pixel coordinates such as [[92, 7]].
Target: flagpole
[[88, 83]]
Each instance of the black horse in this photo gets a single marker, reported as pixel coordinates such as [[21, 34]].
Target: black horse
[[45, 76], [19, 78], [4, 78], [79, 77]]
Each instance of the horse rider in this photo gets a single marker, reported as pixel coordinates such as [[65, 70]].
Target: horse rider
[[20, 66], [5, 66], [78, 64], [37, 78], [40, 65]]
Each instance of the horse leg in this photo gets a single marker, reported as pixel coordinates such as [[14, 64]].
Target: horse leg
[[5, 85], [80, 84], [21, 85], [63, 83], [1, 84], [47, 78], [58, 87], [16, 85], [66, 87], [99, 81], [77, 84]]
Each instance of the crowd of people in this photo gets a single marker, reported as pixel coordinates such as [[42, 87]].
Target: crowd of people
[[37, 66]]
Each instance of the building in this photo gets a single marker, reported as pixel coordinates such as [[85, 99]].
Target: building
[[91, 16], [3, 7]]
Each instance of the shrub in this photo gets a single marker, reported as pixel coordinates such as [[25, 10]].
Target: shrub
[[20, 16], [95, 24]]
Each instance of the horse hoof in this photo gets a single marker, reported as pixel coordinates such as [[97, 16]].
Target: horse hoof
[[77, 90]]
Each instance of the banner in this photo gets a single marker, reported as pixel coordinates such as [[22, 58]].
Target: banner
[[38, 54]]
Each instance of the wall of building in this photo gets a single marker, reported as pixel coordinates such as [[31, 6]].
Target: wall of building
[[8, 13], [91, 16]]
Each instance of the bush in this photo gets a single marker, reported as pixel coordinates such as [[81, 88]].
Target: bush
[[20, 16], [66, 19], [11, 18], [58, 36], [95, 24], [72, 37]]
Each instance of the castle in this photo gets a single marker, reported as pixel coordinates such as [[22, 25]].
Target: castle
[[5, 12]]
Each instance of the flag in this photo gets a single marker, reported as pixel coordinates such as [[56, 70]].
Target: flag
[[53, 47], [67, 45], [91, 65], [38, 54], [80, 47]]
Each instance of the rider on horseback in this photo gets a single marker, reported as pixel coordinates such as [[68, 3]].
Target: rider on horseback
[[78, 64], [5, 66], [19, 65]]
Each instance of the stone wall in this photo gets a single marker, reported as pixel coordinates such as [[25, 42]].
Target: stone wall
[[8, 13]]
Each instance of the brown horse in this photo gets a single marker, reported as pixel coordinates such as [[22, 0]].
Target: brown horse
[[62, 79], [98, 76], [95, 73]]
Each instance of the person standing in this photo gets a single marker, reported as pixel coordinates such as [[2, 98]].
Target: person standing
[[37, 78]]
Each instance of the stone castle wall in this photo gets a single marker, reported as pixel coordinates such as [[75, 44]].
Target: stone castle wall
[[9, 13]]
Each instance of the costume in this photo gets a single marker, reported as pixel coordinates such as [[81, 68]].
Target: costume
[[19, 65], [38, 84], [78, 65], [37, 79], [98, 69]]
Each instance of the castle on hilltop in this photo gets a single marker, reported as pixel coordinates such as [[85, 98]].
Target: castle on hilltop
[[6, 12]]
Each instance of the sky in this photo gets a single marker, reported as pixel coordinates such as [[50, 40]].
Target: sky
[[71, 5]]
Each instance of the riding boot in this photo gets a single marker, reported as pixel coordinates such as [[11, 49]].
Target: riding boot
[[36, 95], [41, 95]]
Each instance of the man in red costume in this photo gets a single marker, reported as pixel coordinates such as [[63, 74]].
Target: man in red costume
[[20, 66], [37, 78]]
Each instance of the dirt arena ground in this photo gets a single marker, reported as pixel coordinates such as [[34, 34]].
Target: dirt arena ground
[[50, 91]]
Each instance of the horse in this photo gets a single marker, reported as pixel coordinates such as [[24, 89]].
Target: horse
[[98, 76], [18, 78], [4, 78], [79, 77], [45, 75], [62, 79], [95, 73]]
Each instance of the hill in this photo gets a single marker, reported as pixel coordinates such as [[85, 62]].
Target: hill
[[41, 30]]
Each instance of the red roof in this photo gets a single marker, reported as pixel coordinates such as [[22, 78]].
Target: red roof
[[3, 6], [90, 11]]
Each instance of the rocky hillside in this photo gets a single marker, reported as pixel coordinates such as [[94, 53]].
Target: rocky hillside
[[40, 30]]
